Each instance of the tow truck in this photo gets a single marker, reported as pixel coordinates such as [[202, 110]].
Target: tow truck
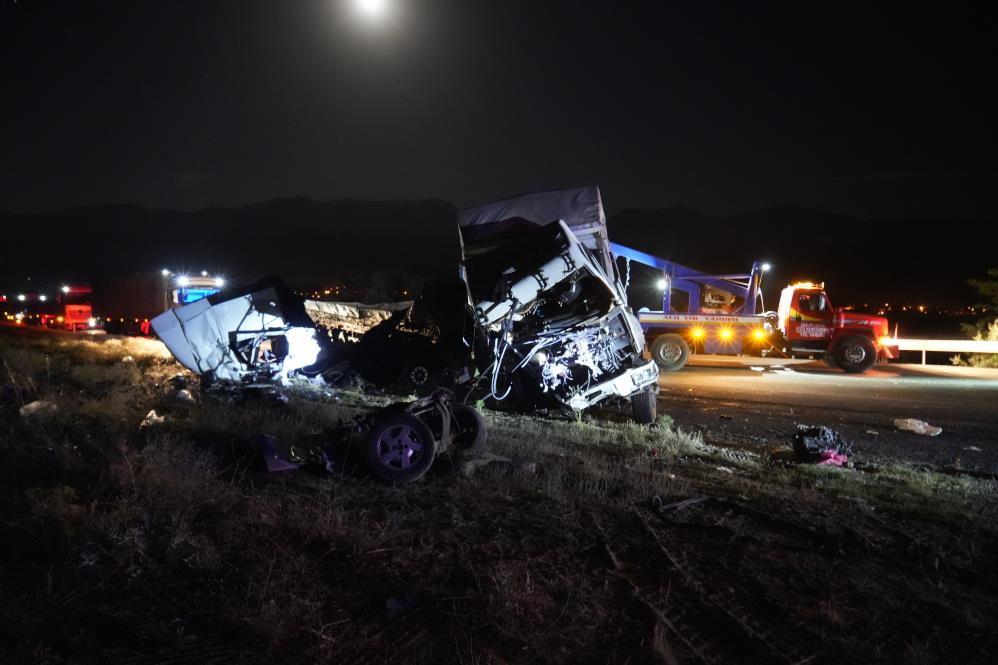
[[725, 315]]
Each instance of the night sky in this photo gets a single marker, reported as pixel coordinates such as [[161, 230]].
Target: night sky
[[868, 109]]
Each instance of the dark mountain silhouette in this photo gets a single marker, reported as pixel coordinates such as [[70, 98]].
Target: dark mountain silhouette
[[309, 242]]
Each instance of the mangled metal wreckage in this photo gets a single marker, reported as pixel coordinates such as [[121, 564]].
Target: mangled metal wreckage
[[538, 319], [547, 298], [544, 320]]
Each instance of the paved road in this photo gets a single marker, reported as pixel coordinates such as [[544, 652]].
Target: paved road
[[755, 403]]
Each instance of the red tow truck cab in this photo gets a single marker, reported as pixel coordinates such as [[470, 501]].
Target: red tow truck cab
[[810, 324]]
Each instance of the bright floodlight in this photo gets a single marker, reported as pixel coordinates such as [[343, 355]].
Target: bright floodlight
[[662, 284], [219, 282], [204, 273], [766, 267], [164, 272], [183, 281], [21, 297], [43, 298], [373, 8], [65, 289]]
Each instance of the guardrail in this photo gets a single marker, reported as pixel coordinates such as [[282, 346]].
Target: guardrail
[[946, 346]]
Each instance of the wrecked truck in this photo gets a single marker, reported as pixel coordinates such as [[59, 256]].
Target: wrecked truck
[[537, 319], [550, 307]]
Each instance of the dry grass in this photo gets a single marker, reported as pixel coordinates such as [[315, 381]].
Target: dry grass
[[122, 541]]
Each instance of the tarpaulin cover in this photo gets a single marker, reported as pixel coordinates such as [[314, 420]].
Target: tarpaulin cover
[[484, 227]]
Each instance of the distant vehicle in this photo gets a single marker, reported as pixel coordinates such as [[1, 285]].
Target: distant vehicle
[[126, 305], [71, 309], [724, 314]]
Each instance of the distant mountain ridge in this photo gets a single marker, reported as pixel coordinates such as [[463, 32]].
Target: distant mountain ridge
[[308, 241]]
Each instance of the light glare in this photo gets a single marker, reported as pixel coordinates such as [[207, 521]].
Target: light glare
[[371, 7]]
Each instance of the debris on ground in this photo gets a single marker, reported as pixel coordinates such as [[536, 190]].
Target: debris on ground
[[469, 466], [973, 449], [917, 426], [128, 360], [152, 418], [178, 381], [821, 445], [873, 432], [184, 396], [38, 408], [660, 507], [273, 457]]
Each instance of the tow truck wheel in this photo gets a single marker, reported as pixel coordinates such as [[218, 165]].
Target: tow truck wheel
[[670, 352], [644, 407], [855, 354], [400, 448]]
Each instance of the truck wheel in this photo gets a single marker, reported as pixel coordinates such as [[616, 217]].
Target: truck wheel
[[416, 378], [644, 407], [471, 429], [400, 448], [670, 352], [855, 354]]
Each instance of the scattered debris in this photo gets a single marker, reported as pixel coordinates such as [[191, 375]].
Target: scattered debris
[[725, 416], [873, 432], [468, 466], [178, 381], [128, 360], [399, 442], [38, 408], [973, 449], [656, 503], [725, 469], [832, 458], [756, 368], [273, 457], [152, 418], [184, 396], [917, 426], [821, 445]]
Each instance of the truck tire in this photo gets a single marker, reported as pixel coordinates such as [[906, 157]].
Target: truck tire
[[472, 432], [644, 407], [670, 352], [855, 354], [417, 378], [400, 448]]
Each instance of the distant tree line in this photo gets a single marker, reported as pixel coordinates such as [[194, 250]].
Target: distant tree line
[[986, 328]]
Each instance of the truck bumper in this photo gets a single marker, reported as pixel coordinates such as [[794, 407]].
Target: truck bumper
[[627, 384]]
